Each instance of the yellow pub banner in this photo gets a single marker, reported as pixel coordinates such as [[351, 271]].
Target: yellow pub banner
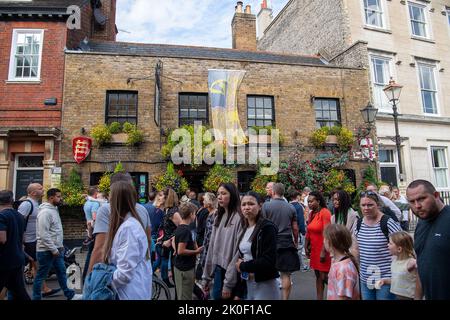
[[223, 86]]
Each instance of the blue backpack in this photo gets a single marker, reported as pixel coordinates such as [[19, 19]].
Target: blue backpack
[[98, 283]]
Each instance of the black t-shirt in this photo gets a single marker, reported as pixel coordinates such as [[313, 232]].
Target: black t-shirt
[[432, 246], [202, 216], [182, 262], [11, 253]]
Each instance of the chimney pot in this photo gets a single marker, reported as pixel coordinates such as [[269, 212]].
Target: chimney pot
[[239, 7], [248, 9]]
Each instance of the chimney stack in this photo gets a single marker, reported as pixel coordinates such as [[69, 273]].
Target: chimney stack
[[243, 28], [265, 17]]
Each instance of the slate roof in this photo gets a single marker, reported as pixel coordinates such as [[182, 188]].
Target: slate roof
[[177, 51]]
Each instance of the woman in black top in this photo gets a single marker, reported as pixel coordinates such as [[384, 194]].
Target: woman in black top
[[258, 252]]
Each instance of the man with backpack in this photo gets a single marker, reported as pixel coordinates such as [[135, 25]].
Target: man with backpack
[[29, 208]]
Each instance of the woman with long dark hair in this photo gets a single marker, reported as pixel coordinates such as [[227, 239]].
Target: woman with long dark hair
[[127, 246], [223, 251], [320, 262], [343, 212], [258, 248]]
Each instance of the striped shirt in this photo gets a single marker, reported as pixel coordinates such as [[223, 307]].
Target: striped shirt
[[375, 259]]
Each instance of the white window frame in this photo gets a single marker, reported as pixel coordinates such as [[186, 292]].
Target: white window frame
[[448, 17], [391, 164], [434, 65], [430, 153], [17, 168], [428, 35], [384, 15], [12, 60], [390, 59]]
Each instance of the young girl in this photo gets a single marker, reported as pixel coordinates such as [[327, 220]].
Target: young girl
[[343, 278], [403, 266]]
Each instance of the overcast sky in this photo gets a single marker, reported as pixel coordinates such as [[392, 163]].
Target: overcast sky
[[185, 22]]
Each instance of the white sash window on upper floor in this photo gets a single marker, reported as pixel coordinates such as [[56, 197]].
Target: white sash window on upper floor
[[374, 13], [26, 55]]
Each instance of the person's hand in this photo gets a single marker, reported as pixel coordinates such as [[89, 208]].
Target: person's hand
[[379, 284], [205, 286], [322, 258], [412, 265], [199, 249], [238, 265], [226, 294], [55, 254]]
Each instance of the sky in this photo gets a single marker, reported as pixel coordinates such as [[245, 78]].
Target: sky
[[183, 22]]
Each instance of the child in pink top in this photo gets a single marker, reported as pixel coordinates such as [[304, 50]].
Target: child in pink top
[[343, 278]]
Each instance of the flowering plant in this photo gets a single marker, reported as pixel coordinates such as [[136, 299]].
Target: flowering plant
[[217, 174], [171, 179]]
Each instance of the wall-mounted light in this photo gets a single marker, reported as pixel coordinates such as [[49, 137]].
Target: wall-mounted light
[[83, 131], [312, 98]]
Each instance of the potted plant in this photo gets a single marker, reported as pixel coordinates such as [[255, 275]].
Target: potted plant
[[334, 136], [217, 174], [171, 179], [117, 136], [101, 134]]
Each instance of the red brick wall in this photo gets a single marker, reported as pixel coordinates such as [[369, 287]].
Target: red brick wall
[[22, 104], [74, 37]]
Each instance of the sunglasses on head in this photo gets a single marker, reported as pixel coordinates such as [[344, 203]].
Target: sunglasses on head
[[368, 193]]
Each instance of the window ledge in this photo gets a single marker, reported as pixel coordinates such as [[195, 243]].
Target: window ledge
[[22, 82], [382, 30], [423, 39]]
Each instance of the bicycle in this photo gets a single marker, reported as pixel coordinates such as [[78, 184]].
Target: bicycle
[[160, 291]]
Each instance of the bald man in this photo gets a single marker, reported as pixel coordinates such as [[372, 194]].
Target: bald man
[[29, 208]]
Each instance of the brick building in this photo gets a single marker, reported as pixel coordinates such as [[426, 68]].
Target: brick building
[[406, 40], [294, 87], [33, 37]]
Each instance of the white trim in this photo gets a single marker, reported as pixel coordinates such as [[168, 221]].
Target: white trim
[[430, 157], [16, 167], [391, 164], [434, 65], [384, 16], [392, 73], [12, 67], [428, 29]]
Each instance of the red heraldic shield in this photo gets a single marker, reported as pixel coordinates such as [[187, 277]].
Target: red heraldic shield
[[81, 147]]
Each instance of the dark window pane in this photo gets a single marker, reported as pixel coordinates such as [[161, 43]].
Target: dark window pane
[[251, 123], [259, 123], [202, 102], [327, 112], [184, 100], [259, 103], [267, 103], [251, 102], [193, 107]]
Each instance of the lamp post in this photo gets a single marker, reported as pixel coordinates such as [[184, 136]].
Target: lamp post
[[392, 91]]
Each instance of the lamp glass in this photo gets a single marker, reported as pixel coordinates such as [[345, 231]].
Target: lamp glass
[[393, 91], [369, 113]]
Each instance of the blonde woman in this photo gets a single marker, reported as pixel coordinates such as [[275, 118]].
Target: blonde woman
[[127, 246]]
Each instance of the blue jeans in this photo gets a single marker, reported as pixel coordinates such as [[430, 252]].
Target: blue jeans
[[219, 276], [161, 262], [373, 294], [45, 261], [88, 258]]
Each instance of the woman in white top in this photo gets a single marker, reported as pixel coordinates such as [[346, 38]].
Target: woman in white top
[[127, 246]]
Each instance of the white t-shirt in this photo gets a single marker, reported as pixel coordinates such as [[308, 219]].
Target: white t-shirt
[[246, 246], [24, 209], [104, 213]]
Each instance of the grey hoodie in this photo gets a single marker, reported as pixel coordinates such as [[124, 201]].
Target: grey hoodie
[[49, 229]]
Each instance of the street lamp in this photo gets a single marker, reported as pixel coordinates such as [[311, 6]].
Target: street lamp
[[392, 91], [369, 114]]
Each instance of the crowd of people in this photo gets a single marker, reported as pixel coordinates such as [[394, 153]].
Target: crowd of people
[[229, 245]]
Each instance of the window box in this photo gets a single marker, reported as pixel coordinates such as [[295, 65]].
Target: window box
[[119, 138]]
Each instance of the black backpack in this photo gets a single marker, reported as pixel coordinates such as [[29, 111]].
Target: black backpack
[[388, 211], [16, 206], [383, 225]]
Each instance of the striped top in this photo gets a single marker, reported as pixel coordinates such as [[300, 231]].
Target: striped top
[[375, 259]]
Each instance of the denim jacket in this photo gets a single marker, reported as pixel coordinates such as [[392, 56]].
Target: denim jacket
[[98, 284]]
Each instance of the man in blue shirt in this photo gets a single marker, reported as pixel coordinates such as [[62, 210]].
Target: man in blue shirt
[[12, 259]]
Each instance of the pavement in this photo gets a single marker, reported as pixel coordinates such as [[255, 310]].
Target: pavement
[[303, 287]]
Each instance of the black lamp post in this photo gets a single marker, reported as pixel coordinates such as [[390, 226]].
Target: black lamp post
[[392, 91]]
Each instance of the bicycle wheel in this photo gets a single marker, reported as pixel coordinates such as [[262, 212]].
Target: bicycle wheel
[[160, 291]]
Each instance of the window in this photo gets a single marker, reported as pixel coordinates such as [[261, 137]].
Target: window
[[428, 87], [260, 111], [26, 55], [388, 166], [381, 73], [440, 166], [418, 20], [373, 13], [193, 107], [121, 106], [327, 112]]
